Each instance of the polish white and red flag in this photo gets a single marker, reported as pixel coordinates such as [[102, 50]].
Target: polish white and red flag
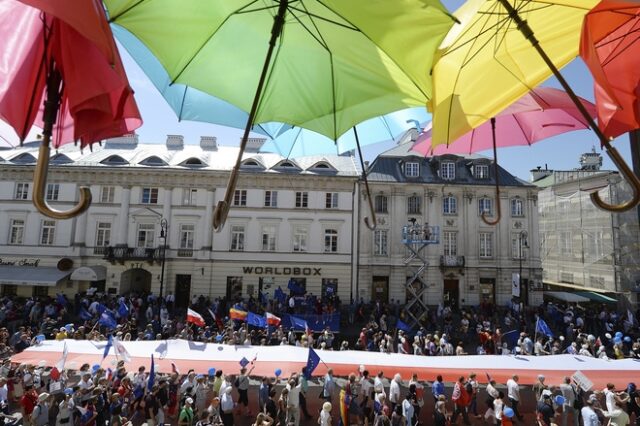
[[272, 320], [195, 318]]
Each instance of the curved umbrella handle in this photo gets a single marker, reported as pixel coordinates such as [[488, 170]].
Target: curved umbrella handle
[[40, 185], [628, 175], [496, 171]]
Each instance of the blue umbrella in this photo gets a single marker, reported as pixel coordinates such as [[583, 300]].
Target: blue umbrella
[[298, 142], [189, 103]]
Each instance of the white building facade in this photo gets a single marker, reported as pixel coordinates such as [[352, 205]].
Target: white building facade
[[290, 220]]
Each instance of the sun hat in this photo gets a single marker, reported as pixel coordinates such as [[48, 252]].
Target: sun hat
[[326, 406]]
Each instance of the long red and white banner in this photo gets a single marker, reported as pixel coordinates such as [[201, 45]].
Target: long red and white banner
[[202, 356]]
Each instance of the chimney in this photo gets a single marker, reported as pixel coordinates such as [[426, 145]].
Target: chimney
[[130, 140], [539, 173], [208, 143], [254, 144], [175, 142], [366, 166]]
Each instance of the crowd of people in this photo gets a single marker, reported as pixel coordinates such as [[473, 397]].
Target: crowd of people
[[87, 395]]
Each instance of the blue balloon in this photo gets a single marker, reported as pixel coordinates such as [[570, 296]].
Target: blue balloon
[[219, 338], [40, 338], [627, 339], [618, 334], [68, 391], [617, 340], [278, 372], [508, 412], [559, 399], [212, 371], [69, 327], [95, 367]]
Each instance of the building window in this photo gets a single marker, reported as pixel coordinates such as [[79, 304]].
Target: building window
[[481, 171], [40, 291], [449, 205], [450, 242], [518, 246], [448, 170], [187, 231], [486, 245], [16, 235], [412, 169], [330, 241], [240, 198], [413, 204], [149, 195], [381, 203], [302, 199], [595, 246], [485, 205], [9, 290], [48, 232], [107, 193], [329, 288], [300, 234], [22, 191], [103, 234], [237, 238], [53, 190], [190, 196], [271, 198], [517, 207], [331, 200], [380, 242], [566, 245], [269, 238], [146, 235]]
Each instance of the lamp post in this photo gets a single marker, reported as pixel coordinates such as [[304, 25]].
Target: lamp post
[[164, 226], [521, 246]]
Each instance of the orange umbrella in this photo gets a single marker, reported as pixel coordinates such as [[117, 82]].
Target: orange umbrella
[[62, 53], [611, 49]]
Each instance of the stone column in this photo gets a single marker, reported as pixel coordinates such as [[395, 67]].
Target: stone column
[[123, 217]]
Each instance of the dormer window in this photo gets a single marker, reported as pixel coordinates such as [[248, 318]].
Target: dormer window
[[412, 170], [286, 164], [153, 161], [193, 162], [448, 170], [481, 171], [114, 160]]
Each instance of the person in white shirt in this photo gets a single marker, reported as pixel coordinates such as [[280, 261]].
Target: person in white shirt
[[394, 391], [85, 383], [226, 406], [378, 386], [325, 414], [617, 416], [498, 406], [610, 397], [293, 402], [513, 392]]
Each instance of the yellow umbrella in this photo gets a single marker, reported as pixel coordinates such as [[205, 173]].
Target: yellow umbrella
[[499, 52]]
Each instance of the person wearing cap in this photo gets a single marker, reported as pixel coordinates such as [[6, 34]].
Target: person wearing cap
[[545, 409], [62, 334], [325, 414], [200, 393], [186, 414], [588, 412], [539, 386], [40, 414]]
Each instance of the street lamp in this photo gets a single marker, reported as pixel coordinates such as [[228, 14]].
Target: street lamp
[[521, 246], [164, 226]]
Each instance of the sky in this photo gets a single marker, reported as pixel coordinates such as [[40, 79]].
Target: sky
[[559, 153]]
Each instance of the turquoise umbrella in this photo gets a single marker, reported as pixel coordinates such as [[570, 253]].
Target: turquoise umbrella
[[298, 142]]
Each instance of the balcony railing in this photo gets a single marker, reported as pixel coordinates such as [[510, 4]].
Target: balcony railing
[[452, 261], [100, 250], [121, 254], [185, 252]]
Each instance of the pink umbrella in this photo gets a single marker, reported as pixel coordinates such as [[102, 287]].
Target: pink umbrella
[[66, 50], [540, 114]]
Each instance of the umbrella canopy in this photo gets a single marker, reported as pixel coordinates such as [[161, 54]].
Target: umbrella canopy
[[336, 64], [485, 64], [320, 65], [299, 142], [542, 113], [610, 48], [65, 53]]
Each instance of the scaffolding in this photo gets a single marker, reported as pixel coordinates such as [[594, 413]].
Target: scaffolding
[[417, 238]]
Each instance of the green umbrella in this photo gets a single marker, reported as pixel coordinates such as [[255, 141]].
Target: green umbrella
[[324, 65]]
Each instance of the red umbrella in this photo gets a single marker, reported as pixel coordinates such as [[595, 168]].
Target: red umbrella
[[64, 48], [611, 50]]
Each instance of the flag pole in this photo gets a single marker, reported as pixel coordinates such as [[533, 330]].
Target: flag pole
[[535, 333]]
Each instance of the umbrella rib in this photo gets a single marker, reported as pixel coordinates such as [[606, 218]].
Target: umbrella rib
[[124, 12], [392, 59], [526, 138], [317, 37], [615, 52], [184, 97], [313, 15], [213, 33]]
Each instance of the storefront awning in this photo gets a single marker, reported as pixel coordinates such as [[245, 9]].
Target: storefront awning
[[47, 276], [576, 287], [90, 273], [567, 297], [597, 297]]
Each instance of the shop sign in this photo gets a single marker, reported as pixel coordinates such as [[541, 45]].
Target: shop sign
[[291, 271], [20, 262]]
